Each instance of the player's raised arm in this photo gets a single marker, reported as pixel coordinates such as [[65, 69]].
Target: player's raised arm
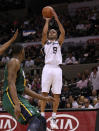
[[13, 67], [7, 44], [62, 31], [45, 31]]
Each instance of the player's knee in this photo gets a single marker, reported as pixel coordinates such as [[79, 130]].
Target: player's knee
[[57, 96], [45, 94]]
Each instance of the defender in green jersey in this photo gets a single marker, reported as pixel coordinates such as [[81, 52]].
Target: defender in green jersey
[[13, 101]]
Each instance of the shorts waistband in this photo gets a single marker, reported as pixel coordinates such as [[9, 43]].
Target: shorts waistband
[[50, 65]]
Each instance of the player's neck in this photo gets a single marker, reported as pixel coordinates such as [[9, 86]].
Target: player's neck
[[51, 40]]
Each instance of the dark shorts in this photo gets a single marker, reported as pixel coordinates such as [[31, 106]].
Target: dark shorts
[[37, 124], [27, 110]]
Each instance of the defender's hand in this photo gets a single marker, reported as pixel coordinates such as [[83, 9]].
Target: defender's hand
[[17, 111], [15, 35], [49, 98]]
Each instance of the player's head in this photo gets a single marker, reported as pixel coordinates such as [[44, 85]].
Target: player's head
[[52, 34], [18, 50]]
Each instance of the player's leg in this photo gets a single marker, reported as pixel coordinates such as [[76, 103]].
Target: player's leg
[[45, 84], [28, 112], [55, 104], [35, 121], [56, 90], [43, 122], [55, 107], [43, 104], [34, 124]]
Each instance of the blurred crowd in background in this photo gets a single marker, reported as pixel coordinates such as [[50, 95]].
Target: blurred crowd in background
[[85, 22], [34, 56], [79, 92]]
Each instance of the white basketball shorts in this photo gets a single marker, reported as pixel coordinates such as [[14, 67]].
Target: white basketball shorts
[[51, 77]]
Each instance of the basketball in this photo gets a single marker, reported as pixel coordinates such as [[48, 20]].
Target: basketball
[[47, 12]]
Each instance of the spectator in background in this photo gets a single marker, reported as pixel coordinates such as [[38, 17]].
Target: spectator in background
[[80, 26], [97, 104], [70, 59], [73, 101], [81, 101], [29, 63], [36, 84], [83, 83], [94, 102], [94, 79], [79, 77], [87, 73], [5, 59], [68, 105], [87, 104]]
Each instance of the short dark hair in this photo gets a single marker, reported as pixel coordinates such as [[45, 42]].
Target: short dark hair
[[55, 30], [16, 49]]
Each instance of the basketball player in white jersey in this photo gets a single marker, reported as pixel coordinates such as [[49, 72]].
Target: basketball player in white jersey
[[52, 73]]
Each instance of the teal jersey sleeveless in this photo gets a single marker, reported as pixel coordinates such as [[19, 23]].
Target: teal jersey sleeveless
[[27, 110], [20, 81]]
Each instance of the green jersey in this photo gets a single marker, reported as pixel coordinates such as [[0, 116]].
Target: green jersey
[[20, 81], [27, 110]]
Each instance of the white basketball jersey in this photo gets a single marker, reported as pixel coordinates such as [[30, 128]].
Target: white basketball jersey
[[53, 54]]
